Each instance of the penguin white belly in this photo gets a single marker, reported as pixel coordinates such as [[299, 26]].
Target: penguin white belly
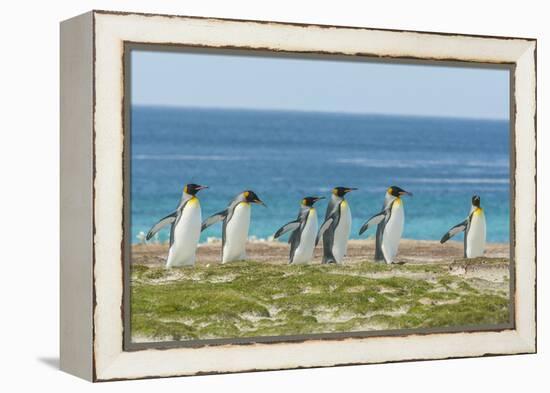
[[341, 233], [393, 231], [236, 234], [186, 236], [304, 251], [475, 244]]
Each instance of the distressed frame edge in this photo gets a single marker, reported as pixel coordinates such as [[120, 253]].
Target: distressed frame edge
[[76, 196], [305, 24], [526, 122], [528, 340]]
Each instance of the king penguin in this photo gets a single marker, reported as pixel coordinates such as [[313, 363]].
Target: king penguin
[[304, 230], [185, 228], [390, 223], [336, 227], [236, 221], [475, 230]]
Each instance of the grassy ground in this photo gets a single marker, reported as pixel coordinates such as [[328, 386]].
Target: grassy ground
[[246, 299]]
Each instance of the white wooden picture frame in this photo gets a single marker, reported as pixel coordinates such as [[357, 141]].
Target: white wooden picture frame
[[93, 193]]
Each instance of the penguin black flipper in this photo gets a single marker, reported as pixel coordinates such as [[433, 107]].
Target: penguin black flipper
[[332, 216], [176, 220], [328, 238], [169, 219], [294, 241], [296, 236], [290, 226], [378, 219], [374, 220], [326, 225], [454, 230], [327, 233], [378, 254], [172, 229], [214, 218]]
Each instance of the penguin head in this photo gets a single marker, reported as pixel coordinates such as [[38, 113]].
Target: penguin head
[[192, 188], [309, 201], [341, 191], [396, 192], [476, 200], [251, 197]]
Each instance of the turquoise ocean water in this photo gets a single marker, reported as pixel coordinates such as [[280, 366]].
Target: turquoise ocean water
[[284, 156]]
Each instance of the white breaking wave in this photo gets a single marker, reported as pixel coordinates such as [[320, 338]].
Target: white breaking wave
[[185, 157], [459, 180], [251, 239], [374, 163]]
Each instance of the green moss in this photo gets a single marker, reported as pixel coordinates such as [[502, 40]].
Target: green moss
[[481, 261], [255, 299], [153, 274], [138, 270]]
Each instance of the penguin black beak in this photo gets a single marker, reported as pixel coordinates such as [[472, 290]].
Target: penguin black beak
[[201, 188], [350, 189], [405, 193], [260, 202], [315, 199]]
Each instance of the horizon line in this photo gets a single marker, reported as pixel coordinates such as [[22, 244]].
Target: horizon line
[[386, 114]]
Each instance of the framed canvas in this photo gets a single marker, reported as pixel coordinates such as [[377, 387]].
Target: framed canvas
[[189, 144]]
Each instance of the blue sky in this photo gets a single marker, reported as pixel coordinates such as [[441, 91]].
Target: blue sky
[[223, 81]]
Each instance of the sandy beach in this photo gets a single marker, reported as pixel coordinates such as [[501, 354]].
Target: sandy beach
[[410, 252]]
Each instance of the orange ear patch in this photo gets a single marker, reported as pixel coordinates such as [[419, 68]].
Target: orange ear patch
[[246, 194], [390, 190], [185, 189]]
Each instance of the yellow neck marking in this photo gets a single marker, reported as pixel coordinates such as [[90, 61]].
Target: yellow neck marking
[[397, 201], [193, 200], [478, 211]]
